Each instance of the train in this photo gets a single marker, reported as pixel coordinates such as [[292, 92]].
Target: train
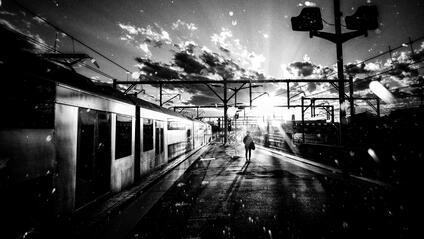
[[66, 142]]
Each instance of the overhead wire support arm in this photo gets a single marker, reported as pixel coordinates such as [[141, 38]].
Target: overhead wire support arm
[[175, 96], [236, 90], [221, 106], [129, 88], [214, 92], [156, 82], [342, 38]]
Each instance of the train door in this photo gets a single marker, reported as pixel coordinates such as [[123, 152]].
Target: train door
[[189, 139], [93, 157], [159, 143]]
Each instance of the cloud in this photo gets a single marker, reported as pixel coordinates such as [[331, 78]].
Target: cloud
[[223, 49], [403, 69], [154, 35], [156, 69], [188, 46], [398, 74], [7, 13], [307, 69], [10, 26], [39, 45], [372, 66], [151, 70], [419, 54], [196, 64], [179, 23], [188, 62], [235, 50], [354, 69], [130, 29], [38, 20], [221, 38], [144, 47], [304, 69]]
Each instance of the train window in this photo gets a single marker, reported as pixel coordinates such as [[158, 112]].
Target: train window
[[159, 139], [161, 132], [147, 135], [176, 125], [123, 136]]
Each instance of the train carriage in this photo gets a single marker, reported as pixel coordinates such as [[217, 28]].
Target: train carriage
[[66, 142]]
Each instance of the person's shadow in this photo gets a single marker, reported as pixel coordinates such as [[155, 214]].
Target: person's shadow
[[244, 168]]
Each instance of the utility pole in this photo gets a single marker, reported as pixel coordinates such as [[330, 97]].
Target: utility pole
[[235, 118], [351, 100], [340, 73], [288, 95], [310, 20], [160, 94], [225, 111], [340, 70], [250, 95], [303, 119]]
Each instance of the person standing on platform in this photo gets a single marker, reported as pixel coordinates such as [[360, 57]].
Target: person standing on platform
[[248, 145]]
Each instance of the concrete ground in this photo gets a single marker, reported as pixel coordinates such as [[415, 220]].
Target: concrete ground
[[273, 196], [116, 215]]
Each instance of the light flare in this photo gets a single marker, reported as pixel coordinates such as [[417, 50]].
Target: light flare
[[286, 138], [378, 89]]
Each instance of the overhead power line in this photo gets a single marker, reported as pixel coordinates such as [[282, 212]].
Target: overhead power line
[[48, 48], [71, 36], [375, 75], [384, 53], [368, 59]]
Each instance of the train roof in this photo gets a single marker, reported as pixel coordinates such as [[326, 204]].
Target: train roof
[[18, 56]]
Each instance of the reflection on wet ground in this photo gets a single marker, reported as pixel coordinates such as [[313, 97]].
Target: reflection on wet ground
[[227, 197]]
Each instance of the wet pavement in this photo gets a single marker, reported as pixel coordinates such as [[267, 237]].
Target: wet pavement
[[223, 196]]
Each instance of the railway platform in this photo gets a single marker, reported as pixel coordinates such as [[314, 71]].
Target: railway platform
[[215, 193], [274, 196]]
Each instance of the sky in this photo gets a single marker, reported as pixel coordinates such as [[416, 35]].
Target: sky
[[255, 35]]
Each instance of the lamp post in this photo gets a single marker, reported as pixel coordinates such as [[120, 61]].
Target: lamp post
[[363, 20]]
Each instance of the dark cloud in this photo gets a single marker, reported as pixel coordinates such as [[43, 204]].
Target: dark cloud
[[212, 59], [403, 69], [225, 50], [204, 100], [399, 93], [190, 47], [354, 69], [157, 69], [362, 84], [303, 68], [418, 82], [153, 42], [188, 62]]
